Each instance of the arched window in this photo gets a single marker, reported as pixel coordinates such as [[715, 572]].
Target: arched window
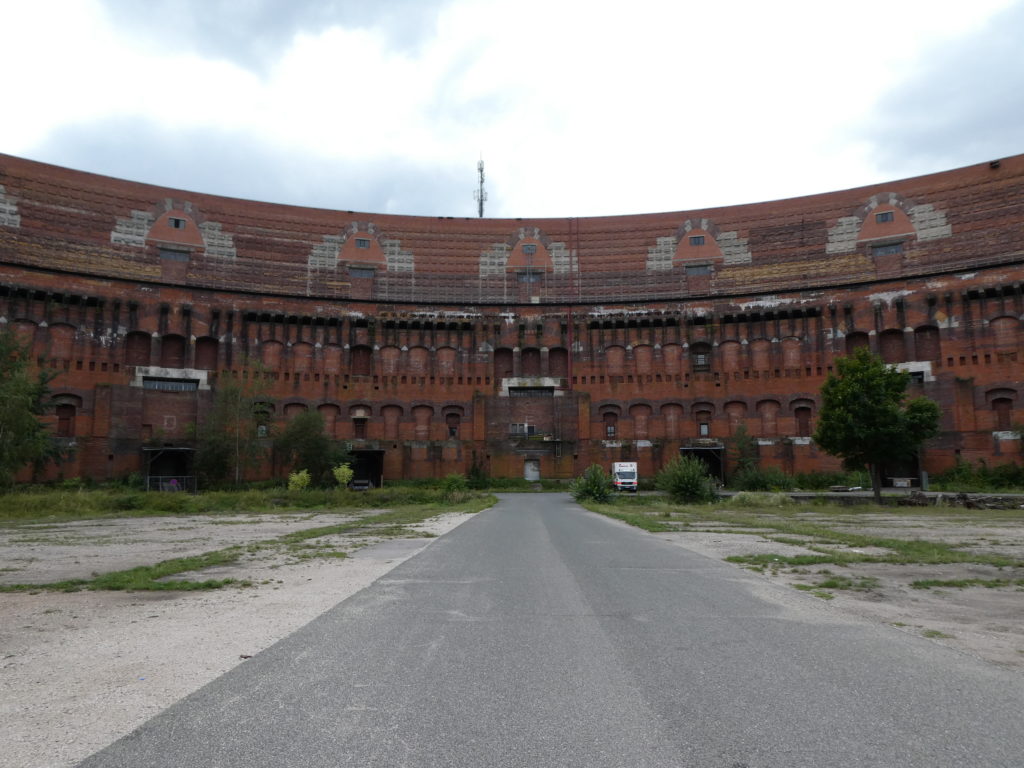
[[855, 341], [531, 361], [65, 420], [1003, 409], [137, 347], [503, 363], [558, 362], [362, 361], [891, 346], [206, 353], [700, 356], [172, 351], [926, 343]]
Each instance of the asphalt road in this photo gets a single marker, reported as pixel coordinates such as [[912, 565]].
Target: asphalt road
[[538, 634]]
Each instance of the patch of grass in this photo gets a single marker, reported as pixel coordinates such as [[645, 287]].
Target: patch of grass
[[154, 577], [814, 590], [936, 634], [964, 583], [638, 519]]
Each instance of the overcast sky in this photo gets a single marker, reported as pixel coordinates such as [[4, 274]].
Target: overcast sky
[[577, 108]]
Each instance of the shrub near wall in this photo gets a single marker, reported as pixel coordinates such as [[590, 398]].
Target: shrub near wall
[[686, 480]]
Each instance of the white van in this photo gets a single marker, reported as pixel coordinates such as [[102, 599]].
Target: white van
[[625, 476]]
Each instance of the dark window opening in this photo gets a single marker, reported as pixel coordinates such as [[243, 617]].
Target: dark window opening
[[531, 391], [362, 243], [65, 420], [529, 250], [364, 272], [696, 239], [170, 385], [530, 276], [889, 249], [176, 223], [359, 429], [884, 216], [698, 269]]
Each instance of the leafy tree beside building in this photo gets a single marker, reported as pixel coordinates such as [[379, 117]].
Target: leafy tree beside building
[[865, 418], [24, 439]]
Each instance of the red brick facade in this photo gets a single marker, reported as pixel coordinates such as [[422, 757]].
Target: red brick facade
[[524, 346]]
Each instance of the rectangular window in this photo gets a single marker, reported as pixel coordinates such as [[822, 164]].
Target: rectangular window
[[522, 430], [364, 272], [529, 250], [363, 243], [698, 269], [609, 430], [701, 362], [173, 255], [696, 239], [170, 385], [705, 429], [530, 276], [889, 249], [884, 216], [176, 223], [531, 391]]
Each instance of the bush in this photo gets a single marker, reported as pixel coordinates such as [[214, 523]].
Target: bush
[[454, 488], [342, 475], [299, 481], [594, 484], [686, 479], [767, 479]]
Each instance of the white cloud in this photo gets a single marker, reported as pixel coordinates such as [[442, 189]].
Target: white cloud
[[577, 108]]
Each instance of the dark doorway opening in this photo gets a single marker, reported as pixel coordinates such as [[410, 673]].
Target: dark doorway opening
[[368, 466], [170, 469], [713, 458]]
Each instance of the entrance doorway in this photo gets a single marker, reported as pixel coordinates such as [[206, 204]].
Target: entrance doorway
[[368, 466], [531, 470], [712, 456]]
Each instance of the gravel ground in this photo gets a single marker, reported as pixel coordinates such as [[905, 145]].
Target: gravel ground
[[79, 670]]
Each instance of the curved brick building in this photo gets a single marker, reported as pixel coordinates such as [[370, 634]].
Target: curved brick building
[[532, 347]]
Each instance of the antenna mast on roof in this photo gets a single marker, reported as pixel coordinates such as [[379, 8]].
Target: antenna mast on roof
[[480, 194]]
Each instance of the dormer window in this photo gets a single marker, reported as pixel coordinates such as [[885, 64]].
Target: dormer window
[[884, 216], [530, 250], [363, 243], [176, 223], [696, 239]]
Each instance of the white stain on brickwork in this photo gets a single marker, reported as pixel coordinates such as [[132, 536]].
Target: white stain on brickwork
[[493, 262], [398, 260], [888, 297], [734, 248], [133, 229], [842, 238], [325, 255], [9, 216], [929, 223], [659, 258], [218, 243]]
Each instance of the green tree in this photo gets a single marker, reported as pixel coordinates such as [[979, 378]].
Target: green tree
[[228, 436], [744, 450], [685, 479], [303, 444], [865, 420], [23, 438]]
